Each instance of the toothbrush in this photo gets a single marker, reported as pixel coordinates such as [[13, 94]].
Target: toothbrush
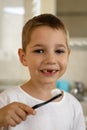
[[56, 93]]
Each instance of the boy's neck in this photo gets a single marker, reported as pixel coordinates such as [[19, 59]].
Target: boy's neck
[[39, 91]]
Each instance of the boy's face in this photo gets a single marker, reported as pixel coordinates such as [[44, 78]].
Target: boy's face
[[46, 54]]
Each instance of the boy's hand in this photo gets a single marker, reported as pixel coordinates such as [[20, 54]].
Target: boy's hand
[[14, 113]]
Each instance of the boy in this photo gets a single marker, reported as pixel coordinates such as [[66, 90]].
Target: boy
[[45, 52]]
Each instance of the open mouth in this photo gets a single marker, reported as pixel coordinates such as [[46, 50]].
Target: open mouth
[[49, 71]]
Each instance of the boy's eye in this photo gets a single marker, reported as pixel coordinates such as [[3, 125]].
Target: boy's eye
[[39, 51], [59, 51]]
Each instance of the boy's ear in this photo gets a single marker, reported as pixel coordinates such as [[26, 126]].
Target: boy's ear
[[22, 56]]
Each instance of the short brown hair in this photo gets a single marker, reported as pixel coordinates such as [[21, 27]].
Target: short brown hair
[[41, 20]]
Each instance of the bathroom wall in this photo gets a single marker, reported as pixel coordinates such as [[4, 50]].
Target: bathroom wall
[[77, 67]]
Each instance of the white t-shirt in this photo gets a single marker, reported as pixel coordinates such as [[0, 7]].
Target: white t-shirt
[[63, 115]]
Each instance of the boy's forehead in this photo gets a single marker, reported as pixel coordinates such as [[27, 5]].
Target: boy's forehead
[[45, 35], [46, 31], [46, 28], [39, 34]]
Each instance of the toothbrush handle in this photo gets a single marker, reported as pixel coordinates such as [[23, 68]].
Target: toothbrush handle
[[43, 103]]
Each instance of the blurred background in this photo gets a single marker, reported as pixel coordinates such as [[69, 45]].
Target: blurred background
[[14, 14]]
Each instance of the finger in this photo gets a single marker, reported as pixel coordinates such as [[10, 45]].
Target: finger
[[21, 113], [27, 109], [16, 119], [11, 122]]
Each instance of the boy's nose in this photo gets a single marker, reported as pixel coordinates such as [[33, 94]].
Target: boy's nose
[[50, 59]]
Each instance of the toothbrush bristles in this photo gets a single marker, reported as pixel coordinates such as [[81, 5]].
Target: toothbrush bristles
[[55, 92]]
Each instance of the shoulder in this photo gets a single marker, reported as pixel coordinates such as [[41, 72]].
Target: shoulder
[[9, 95], [71, 100], [10, 91], [70, 97], [77, 111]]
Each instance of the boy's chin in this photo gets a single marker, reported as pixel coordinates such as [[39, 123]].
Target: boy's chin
[[49, 81]]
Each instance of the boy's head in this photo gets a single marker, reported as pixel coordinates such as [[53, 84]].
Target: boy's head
[[41, 20]]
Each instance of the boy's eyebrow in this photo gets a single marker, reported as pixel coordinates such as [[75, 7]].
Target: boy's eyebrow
[[57, 45], [38, 45], [60, 45]]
